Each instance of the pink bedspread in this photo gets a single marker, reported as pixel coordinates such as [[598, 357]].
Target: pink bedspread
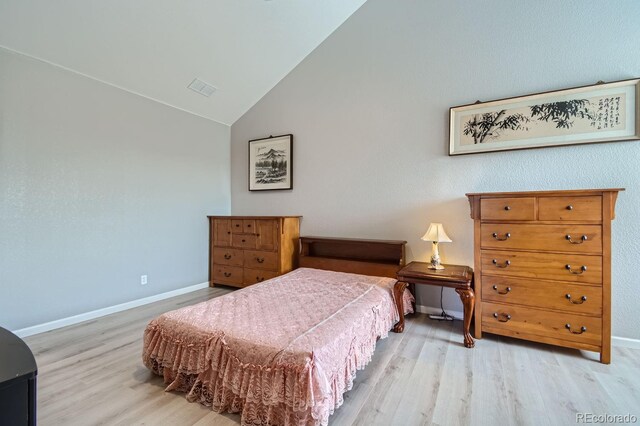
[[282, 352]]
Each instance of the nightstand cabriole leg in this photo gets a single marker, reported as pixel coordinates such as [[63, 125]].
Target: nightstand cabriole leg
[[398, 292], [468, 301]]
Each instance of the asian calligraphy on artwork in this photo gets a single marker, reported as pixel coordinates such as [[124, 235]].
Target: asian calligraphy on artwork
[[583, 115], [608, 115]]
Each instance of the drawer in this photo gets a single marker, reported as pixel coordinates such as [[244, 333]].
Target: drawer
[[228, 256], [267, 233], [254, 276], [237, 226], [244, 241], [507, 208], [221, 229], [570, 208], [223, 274], [573, 298], [249, 226], [559, 325], [261, 259], [570, 238], [553, 266]]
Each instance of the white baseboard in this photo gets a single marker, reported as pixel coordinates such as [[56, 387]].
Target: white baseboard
[[615, 341], [431, 310], [625, 342], [63, 322]]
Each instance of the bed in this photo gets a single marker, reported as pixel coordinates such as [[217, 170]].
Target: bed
[[283, 352]]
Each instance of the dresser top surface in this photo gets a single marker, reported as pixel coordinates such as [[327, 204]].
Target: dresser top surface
[[455, 274], [559, 193], [250, 217]]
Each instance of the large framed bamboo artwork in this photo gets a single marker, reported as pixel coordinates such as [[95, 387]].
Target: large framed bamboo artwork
[[270, 163], [603, 112]]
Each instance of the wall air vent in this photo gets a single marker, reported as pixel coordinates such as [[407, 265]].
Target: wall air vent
[[201, 87]]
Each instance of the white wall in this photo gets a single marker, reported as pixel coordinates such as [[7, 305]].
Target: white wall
[[97, 187], [369, 113]]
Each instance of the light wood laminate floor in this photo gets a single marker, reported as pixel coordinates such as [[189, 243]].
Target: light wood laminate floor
[[92, 373]]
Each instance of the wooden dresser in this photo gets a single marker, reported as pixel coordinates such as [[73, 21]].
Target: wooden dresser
[[543, 266], [245, 250]]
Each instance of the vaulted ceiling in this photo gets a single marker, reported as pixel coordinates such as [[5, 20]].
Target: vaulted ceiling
[[155, 48]]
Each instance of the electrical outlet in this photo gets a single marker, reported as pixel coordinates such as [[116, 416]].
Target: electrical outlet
[[143, 280]]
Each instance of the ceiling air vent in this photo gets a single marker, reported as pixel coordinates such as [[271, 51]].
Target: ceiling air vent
[[201, 87]]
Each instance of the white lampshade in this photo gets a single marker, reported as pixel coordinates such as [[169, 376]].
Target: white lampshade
[[436, 234]]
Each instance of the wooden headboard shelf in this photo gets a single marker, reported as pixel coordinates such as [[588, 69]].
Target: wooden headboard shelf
[[368, 257]]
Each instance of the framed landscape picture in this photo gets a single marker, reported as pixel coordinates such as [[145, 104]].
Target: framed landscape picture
[[602, 112], [270, 163]]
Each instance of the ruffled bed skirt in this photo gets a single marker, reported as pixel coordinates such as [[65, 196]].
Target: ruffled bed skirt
[[280, 394]]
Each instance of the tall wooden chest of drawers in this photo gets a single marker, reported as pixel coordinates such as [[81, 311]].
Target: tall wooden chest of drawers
[[543, 266], [245, 250]]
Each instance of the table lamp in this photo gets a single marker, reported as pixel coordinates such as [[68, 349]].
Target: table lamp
[[436, 235]]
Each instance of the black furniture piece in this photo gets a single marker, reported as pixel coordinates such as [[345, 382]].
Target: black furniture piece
[[18, 371]]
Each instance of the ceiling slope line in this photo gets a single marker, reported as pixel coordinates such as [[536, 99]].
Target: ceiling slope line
[[133, 92], [296, 65]]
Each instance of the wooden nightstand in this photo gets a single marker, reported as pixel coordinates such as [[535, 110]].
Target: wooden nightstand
[[458, 277]]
